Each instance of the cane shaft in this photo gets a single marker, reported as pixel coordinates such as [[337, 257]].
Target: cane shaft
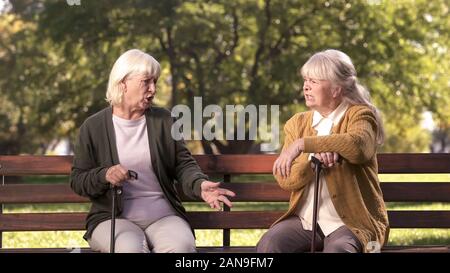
[[113, 221], [315, 207]]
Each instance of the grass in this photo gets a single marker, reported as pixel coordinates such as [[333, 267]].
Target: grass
[[414, 177], [50, 179], [72, 239]]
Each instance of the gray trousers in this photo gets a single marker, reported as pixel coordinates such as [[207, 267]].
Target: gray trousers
[[168, 234], [288, 236]]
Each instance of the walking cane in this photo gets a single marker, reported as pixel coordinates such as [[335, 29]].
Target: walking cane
[[132, 175], [318, 169], [113, 220]]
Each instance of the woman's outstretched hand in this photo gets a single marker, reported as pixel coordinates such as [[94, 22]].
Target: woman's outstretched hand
[[212, 194]]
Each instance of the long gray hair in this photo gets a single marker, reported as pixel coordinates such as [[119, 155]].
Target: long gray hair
[[337, 67]]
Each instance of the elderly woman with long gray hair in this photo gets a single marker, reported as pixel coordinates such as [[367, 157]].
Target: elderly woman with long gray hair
[[343, 130]]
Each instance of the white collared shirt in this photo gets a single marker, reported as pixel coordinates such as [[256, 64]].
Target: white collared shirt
[[327, 217]]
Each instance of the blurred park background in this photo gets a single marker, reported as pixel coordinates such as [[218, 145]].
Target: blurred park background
[[56, 56]]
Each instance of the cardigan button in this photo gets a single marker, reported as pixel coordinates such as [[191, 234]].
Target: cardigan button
[[334, 196], [119, 192]]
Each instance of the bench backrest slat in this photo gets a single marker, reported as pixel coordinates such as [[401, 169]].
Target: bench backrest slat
[[230, 164], [40, 193], [416, 191], [210, 220], [246, 192], [35, 165]]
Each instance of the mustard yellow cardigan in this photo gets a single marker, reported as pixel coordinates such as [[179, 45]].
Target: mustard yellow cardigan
[[353, 185]]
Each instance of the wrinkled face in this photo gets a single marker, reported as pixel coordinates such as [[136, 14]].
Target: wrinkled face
[[318, 93], [139, 91]]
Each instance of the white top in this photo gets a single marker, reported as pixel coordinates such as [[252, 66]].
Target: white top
[[327, 217], [143, 199]]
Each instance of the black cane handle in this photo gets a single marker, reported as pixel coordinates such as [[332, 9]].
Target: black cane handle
[[132, 174], [316, 161]]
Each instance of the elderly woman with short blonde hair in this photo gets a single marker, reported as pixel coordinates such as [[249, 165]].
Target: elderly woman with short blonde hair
[[342, 124], [131, 134]]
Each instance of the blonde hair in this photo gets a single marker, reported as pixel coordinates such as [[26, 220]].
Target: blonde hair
[[337, 67], [132, 62]]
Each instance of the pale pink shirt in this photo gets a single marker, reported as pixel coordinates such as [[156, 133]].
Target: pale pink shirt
[[143, 199]]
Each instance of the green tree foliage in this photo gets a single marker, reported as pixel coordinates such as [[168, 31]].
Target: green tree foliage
[[227, 52]]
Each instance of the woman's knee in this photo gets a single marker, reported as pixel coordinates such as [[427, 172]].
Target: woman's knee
[[342, 245], [285, 236], [131, 242], [177, 245], [128, 237], [342, 240], [171, 234], [269, 243]]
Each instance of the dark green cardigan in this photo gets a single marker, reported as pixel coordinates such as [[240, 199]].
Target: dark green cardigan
[[96, 151]]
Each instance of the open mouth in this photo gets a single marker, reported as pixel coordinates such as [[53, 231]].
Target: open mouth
[[148, 99]]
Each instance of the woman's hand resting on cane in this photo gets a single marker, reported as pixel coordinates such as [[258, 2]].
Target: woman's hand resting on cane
[[283, 163], [328, 159]]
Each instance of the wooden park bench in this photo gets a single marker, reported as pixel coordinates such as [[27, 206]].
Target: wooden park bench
[[228, 167]]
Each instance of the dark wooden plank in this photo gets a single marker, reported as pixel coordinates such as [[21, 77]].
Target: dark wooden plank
[[419, 219], [387, 163], [233, 219], [416, 191], [42, 221], [39, 193], [231, 164], [35, 165], [416, 249], [200, 249], [62, 193], [234, 249], [414, 163], [75, 221], [42, 165], [252, 192], [246, 192], [263, 219], [236, 164], [210, 220], [392, 192], [47, 250], [258, 192]]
